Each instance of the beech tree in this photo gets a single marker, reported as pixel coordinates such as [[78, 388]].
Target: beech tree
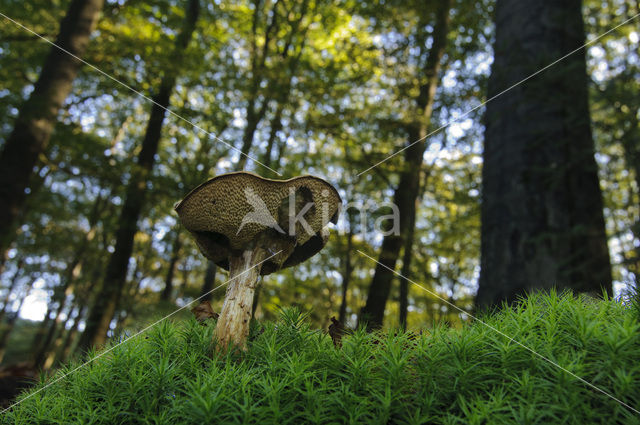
[[542, 218], [35, 122], [108, 297], [408, 188]]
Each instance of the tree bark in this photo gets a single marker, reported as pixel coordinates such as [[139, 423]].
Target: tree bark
[[37, 116], [208, 282], [106, 302], [347, 268], [406, 268], [406, 193], [542, 219], [168, 282]]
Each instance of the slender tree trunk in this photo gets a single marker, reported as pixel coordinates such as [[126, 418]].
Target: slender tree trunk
[[10, 288], [48, 333], [49, 325], [253, 119], [67, 344], [4, 254], [127, 308], [8, 327], [258, 60], [48, 354], [38, 114], [281, 92], [347, 268], [168, 282], [408, 188], [106, 302], [542, 219], [209, 281], [406, 268], [276, 126]]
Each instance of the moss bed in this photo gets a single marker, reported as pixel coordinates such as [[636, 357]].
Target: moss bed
[[292, 374]]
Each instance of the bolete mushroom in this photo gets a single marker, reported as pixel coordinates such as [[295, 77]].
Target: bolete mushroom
[[255, 226]]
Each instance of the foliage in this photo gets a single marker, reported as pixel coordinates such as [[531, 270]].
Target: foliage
[[614, 71], [350, 72], [293, 374]]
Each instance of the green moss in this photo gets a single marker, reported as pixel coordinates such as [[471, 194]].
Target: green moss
[[293, 374]]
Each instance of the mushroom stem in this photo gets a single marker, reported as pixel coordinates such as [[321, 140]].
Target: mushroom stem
[[233, 323]]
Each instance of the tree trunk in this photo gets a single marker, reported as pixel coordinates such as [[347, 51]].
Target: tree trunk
[[209, 281], [53, 347], [276, 126], [542, 219], [256, 299], [408, 188], [47, 329], [38, 114], [347, 267], [168, 282], [67, 344], [8, 327], [10, 288], [106, 302], [258, 60], [406, 268]]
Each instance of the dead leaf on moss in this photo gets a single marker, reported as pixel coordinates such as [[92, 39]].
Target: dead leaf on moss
[[204, 311]]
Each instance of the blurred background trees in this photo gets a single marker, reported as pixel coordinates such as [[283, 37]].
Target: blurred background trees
[[305, 87]]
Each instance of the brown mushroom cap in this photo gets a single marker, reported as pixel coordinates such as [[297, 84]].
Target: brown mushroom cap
[[231, 212]]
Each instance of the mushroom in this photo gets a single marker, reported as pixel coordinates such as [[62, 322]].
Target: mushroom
[[255, 226]]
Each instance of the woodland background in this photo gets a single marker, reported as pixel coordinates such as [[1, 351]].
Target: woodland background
[[306, 87]]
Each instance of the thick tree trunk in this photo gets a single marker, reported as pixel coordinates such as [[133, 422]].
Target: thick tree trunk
[[542, 219], [168, 282], [38, 114], [106, 302], [408, 188]]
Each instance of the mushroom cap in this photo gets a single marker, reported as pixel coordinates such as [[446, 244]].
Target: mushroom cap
[[233, 212]]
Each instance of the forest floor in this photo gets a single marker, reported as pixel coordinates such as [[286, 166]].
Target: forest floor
[[293, 374]]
